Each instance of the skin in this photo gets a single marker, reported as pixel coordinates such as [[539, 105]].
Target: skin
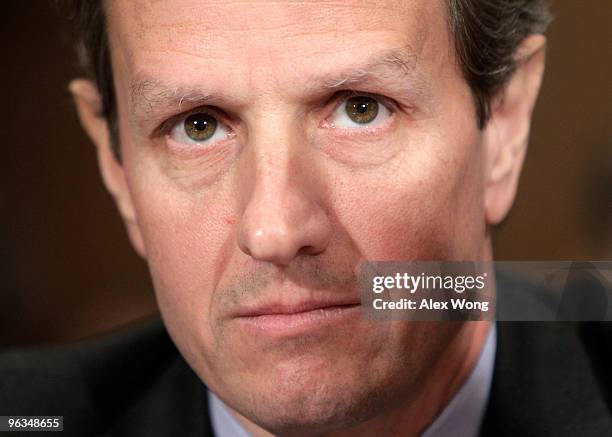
[[288, 201]]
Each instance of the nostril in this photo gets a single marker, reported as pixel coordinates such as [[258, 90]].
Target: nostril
[[245, 249], [308, 250]]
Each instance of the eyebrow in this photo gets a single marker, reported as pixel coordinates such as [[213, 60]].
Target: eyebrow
[[395, 69], [149, 95], [401, 62]]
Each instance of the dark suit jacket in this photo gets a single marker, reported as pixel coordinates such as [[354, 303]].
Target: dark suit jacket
[[550, 379]]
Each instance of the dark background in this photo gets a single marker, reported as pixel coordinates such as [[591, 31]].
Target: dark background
[[68, 270]]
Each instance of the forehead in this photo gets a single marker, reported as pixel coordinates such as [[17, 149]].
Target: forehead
[[286, 37]]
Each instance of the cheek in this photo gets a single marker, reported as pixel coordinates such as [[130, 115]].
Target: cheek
[[187, 238], [426, 206]]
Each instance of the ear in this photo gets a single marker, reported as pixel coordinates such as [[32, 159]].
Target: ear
[[89, 107], [507, 132]]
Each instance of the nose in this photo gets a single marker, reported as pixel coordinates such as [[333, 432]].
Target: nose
[[284, 215]]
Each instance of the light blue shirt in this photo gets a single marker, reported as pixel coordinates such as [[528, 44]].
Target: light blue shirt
[[462, 416]]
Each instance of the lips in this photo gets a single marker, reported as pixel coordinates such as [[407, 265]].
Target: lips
[[276, 320], [287, 309]]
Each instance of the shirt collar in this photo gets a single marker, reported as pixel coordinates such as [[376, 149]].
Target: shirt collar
[[464, 413]]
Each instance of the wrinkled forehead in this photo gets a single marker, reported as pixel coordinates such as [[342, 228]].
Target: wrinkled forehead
[[284, 38]]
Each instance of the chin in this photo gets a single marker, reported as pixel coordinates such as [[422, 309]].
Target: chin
[[313, 396], [311, 410]]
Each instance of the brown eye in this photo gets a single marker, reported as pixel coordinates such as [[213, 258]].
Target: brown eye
[[200, 127], [362, 109]]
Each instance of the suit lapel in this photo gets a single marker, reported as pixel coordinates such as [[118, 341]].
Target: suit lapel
[[543, 384]]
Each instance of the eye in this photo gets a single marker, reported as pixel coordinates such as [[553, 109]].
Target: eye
[[198, 128], [360, 111]]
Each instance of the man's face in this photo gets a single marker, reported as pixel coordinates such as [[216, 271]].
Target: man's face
[[270, 148]]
